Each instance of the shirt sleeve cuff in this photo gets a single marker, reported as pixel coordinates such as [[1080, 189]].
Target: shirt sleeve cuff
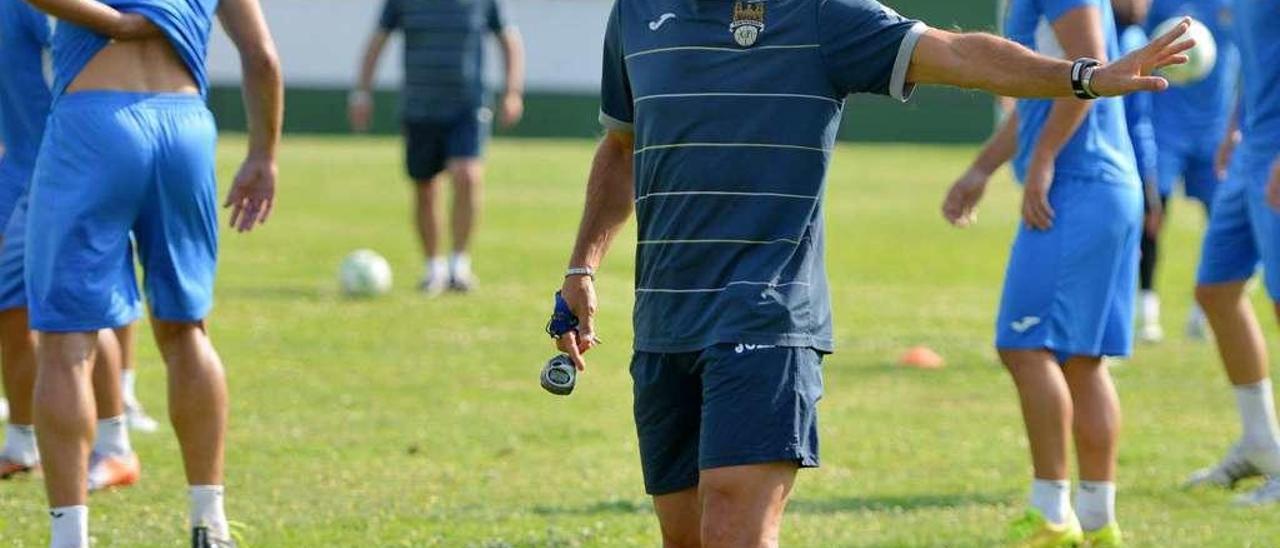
[[899, 87], [614, 124]]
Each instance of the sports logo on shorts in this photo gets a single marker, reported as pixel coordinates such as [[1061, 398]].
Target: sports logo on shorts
[[748, 22], [1025, 324]]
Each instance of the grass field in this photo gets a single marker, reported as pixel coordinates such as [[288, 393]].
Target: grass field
[[410, 422]]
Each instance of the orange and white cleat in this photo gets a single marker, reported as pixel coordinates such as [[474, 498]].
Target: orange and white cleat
[[113, 472], [10, 469]]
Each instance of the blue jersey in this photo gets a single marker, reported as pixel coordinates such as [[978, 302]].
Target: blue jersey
[[1199, 112], [1100, 148], [186, 23], [735, 108], [1137, 112], [1257, 24], [24, 87]]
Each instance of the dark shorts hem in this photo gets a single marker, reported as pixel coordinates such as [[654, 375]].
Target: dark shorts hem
[[800, 458], [673, 487]]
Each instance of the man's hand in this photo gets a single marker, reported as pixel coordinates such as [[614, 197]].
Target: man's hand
[[360, 110], [253, 194], [512, 109], [1133, 72], [1222, 160], [961, 205], [1036, 211], [1273, 186], [580, 293]]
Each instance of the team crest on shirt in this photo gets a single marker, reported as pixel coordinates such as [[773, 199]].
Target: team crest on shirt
[[748, 22]]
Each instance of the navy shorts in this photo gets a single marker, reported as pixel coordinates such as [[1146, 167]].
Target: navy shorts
[[430, 144], [727, 405]]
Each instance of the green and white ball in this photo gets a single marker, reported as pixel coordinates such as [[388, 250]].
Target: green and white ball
[[364, 273], [1202, 57]]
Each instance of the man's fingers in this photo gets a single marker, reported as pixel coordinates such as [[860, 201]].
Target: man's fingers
[[1149, 83], [1160, 42], [568, 343], [1180, 47], [1175, 59]]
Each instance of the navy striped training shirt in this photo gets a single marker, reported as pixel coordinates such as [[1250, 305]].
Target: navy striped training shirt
[[735, 107], [443, 53]]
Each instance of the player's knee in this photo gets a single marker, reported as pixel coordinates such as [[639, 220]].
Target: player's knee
[[172, 337], [466, 174], [1213, 297], [684, 538]]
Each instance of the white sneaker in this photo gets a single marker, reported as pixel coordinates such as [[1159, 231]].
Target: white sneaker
[[4, 409], [1197, 328], [462, 282], [1268, 493], [1234, 467], [1152, 333], [433, 286], [138, 419]]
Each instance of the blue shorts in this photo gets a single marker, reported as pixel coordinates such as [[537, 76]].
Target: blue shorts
[[112, 163], [14, 180], [1193, 164], [430, 144], [13, 289], [727, 405], [1243, 230], [1071, 289]]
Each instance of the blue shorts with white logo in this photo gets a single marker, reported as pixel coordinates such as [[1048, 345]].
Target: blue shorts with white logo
[[1189, 162], [115, 163], [1243, 230], [726, 405], [1071, 289]]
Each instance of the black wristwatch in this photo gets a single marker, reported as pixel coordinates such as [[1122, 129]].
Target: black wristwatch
[[1082, 77]]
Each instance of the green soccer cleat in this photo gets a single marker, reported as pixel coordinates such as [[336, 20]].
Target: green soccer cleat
[[1032, 530], [1106, 537]]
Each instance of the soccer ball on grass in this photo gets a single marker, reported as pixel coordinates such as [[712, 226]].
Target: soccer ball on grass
[[364, 273]]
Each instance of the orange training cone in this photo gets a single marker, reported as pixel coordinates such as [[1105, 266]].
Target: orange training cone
[[921, 357]]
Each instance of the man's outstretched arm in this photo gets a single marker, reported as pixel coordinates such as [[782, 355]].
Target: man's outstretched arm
[[99, 17], [253, 194], [610, 199], [986, 62]]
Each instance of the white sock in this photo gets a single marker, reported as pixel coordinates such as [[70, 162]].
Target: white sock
[[207, 510], [1096, 504], [128, 386], [20, 444], [1052, 498], [437, 268], [460, 265], [113, 438], [1258, 414], [1150, 307], [69, 527], [1197, 314]]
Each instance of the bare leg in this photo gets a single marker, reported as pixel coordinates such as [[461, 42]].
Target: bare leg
[[1046, 409], [106, 376], [468, 186], [680, 515], [1235, 328], [18, 356], [743, 505], [124, 336], [427, 216], [197, 398], [64, 413], [1097, 418]]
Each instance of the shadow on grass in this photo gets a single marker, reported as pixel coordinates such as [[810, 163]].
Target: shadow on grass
[[801, 506], [901, 502]]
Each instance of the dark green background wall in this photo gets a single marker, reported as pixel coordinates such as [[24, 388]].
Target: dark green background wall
[[933, 115]]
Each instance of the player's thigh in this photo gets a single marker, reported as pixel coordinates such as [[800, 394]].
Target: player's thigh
[[92, 172], [667, 409], [759, 405], [1230, 250], [177, 229], [743, 505], [425, 149]]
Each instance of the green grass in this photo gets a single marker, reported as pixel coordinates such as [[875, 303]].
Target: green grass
[[407, 422]]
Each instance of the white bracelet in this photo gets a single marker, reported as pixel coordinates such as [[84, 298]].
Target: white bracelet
[[581, 271]]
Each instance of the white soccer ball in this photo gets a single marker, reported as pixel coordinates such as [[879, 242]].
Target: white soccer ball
[[1202, 57], [365, 273]]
